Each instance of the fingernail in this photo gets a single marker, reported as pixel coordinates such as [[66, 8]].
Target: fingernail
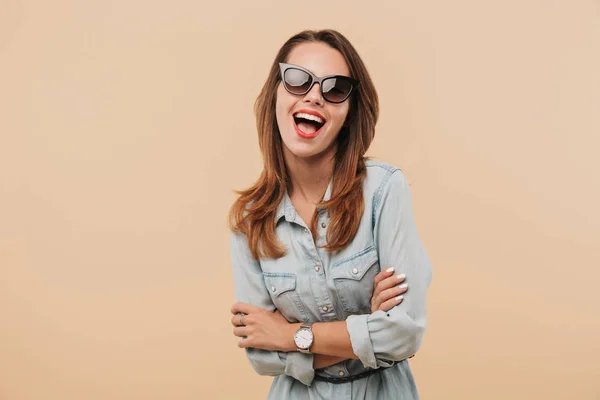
[[401, 276], [404, 285], [390, 269], [399, 298]]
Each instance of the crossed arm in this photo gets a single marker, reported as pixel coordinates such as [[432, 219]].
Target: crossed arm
[[376, 339], [332, 341]]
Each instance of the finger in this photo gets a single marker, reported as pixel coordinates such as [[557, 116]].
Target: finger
[[241, 331], [239, 319], [390, 282], [382, 275], [388, 294], [388, 305], [242, 307], [244, 343], [392, 292]]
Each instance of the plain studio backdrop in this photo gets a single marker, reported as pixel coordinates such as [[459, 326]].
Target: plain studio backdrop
[[125, 126]]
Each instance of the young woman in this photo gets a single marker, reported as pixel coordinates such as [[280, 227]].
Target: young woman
[[322, 243]]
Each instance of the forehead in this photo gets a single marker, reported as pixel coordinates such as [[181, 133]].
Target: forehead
[[319, 58]]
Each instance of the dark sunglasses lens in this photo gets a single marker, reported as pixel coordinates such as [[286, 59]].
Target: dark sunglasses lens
[[336, 89], [297, 81]]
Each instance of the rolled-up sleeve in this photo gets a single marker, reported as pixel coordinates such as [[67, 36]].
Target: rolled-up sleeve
[[395, 335], [250, 288]]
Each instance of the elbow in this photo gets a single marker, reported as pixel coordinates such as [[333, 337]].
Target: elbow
[[408, 343], [411, 347], [264, 364], [263, 369], [272, 363]]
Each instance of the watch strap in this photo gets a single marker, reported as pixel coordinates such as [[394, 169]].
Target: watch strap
[[307, 325]]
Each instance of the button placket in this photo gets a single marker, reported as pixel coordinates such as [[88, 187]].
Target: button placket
[[322, 298]]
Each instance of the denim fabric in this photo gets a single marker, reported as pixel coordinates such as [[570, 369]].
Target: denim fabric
[[310, 284]]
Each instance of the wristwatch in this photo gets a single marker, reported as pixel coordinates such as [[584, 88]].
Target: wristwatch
[[304, 337]]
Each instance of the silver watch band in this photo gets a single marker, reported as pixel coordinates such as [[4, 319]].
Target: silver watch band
[[307, 325]]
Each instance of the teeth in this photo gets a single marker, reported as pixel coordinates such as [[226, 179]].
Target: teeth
[[310, 117]]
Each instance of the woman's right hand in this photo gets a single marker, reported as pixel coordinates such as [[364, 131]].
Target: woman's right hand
[[387, 291]]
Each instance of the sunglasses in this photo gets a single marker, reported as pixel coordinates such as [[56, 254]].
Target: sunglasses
[[299, 81]]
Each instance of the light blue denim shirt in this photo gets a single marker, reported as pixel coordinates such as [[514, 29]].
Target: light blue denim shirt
[[310, 284]]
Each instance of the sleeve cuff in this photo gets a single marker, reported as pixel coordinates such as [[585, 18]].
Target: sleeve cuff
[[299, 365], [361, 341]]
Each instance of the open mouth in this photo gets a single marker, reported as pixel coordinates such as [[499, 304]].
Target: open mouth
[[308, 125]]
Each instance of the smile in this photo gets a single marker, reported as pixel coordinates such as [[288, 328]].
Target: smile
[[308, 123]]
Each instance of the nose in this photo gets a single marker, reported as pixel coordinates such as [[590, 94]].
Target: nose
[[314, 95]]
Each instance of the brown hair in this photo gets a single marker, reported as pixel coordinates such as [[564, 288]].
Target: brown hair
[[253, 213]]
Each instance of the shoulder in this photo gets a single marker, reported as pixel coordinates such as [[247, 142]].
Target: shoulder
[[381, 175], [384, 182]]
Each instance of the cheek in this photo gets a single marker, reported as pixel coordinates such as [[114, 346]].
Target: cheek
[[280, 108], [341, 117], [283, 103]]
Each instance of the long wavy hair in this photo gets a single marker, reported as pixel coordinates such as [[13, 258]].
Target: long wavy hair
[[253, 213]]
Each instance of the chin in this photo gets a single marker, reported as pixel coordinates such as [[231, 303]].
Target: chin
[[301, 149], [304, 151]]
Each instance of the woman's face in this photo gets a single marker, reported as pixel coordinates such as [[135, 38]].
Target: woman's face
[[321, 60]]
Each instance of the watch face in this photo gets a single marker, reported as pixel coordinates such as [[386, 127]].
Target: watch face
[[303, 338]]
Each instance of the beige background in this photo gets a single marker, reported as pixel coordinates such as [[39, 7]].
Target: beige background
[[125, 125]]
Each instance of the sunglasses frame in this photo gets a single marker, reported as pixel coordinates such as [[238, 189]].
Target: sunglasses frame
[[283, 67]]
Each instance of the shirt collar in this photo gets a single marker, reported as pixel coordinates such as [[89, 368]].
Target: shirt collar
[[286, 208]]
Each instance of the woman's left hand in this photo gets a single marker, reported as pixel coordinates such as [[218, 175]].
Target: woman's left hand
[[263, 329]]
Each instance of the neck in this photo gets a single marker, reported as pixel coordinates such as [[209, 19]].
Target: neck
[[310, 176]]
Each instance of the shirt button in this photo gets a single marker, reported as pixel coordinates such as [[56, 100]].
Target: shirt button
[[355, 271], [323, 225], [325, 308], [317, 268], [273, 288], [306, 230], [341, 373]]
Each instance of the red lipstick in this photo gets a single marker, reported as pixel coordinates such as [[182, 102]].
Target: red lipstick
[[304, 134]]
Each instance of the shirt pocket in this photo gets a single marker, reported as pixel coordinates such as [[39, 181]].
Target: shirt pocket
[[353, 279], [282, 289]]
